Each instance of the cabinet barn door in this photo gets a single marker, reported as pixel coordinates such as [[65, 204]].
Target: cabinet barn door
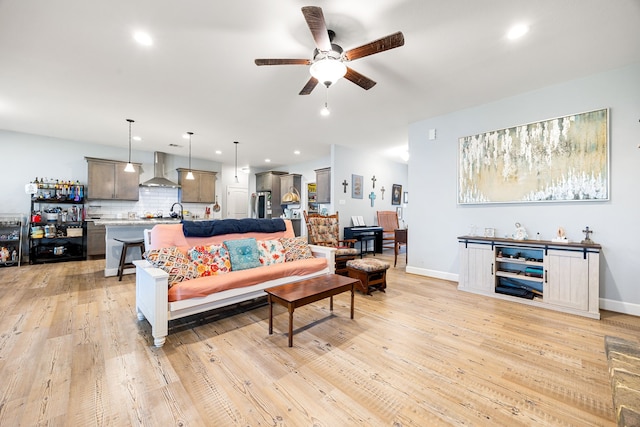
[[566, 279], [477, 268]]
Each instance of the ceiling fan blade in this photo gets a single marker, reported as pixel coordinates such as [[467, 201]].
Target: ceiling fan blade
[[282, 62], [315, 20], [311, 84], [389, 42], [364, 82]]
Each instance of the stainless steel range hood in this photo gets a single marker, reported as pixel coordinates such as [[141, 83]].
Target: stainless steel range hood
[[158, 180]]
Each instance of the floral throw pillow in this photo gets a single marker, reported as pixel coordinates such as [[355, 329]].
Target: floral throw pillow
[[174, 262], [243, 253], [296, 248], [210, 260], [271, 252]]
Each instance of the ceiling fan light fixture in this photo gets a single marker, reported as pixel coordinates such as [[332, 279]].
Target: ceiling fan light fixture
[[328, 70]]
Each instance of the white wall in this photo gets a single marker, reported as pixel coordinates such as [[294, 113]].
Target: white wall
[[348, 161], [29, 156], [432, 174]]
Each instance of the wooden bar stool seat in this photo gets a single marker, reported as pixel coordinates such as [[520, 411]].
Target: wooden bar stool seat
[[126, 245]]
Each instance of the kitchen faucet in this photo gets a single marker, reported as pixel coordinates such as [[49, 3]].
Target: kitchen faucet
[[181, 209]]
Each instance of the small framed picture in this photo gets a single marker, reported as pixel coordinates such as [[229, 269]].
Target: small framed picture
[[356, 186], [396, 194], [405, 198], [489, 232], [399, 212]]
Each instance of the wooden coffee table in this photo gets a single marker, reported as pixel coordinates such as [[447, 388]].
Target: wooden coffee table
[[297, 294]]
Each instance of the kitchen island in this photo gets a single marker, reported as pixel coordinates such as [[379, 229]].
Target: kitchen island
[[125, 229]]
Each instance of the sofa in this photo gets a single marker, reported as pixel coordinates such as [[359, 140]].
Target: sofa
[[164, 294]]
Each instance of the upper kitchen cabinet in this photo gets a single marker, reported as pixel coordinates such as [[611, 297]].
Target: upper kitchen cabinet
[[201, 189], [290, 184], [107, 180], [323, 185], [269, 181]]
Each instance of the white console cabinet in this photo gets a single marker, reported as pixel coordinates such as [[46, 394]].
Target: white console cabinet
[[557, 276]]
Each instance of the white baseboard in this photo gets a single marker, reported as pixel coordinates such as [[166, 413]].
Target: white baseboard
[[432, 273], [620, 306], [605, 304]]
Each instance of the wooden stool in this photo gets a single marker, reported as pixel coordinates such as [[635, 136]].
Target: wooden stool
[[126, 244], [370, 272]]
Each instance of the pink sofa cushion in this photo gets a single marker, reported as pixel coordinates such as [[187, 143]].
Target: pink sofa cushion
[[203, 286]]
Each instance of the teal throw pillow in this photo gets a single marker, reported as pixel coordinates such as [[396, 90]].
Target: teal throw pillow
[[244, 253]]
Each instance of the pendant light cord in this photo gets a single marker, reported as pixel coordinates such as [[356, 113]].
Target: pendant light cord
[[130, 121], [236, 143]]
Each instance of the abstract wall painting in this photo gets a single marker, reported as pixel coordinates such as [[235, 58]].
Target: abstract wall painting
[[556, 160]]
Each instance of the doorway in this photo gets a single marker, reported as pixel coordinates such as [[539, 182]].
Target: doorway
[[237, 202]]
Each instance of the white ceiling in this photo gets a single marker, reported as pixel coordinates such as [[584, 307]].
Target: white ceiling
[[70, 69]]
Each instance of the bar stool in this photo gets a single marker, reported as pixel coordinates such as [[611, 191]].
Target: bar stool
[[126, 244]]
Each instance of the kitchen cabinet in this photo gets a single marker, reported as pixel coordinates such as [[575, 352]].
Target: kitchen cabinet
[[557, 276], [323, 185], [201, 189], [269, 181], [312, 201], [57, 231], [107, 180], [287, 184], [96, 243], [10, 240]]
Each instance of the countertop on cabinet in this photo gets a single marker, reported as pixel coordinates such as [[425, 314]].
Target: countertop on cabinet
[[133, 222]]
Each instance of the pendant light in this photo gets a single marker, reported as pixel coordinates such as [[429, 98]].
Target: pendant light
[[129, 167], [236, 144], [325, 110], [190, 174]]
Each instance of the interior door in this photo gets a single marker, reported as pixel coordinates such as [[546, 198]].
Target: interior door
[[237, 202]]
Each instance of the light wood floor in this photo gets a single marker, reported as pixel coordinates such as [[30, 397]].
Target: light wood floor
[[424, 354]]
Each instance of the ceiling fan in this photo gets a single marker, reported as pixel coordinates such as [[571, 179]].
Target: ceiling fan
[[328, 63]]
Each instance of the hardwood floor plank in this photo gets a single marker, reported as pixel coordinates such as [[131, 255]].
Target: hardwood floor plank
[[72, 352]]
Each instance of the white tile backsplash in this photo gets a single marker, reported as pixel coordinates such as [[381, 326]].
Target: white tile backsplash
[[153, 200]]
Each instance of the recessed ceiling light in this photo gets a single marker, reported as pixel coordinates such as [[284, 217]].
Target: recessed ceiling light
[[517, 31], [267, 160], [218, 152], [143, 38], [136, 138], [297, 152]]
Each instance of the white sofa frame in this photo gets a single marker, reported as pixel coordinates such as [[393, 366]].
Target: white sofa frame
[[152, 294]]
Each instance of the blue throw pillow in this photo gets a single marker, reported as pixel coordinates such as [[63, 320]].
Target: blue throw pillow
[[244, 253]]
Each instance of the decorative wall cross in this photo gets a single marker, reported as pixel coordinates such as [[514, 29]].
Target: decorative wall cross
[[382, 191], [374, 181], [372, 196], [344, 184], [586, 232]]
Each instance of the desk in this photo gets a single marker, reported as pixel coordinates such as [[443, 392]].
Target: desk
[[358, 232], [400, 238]]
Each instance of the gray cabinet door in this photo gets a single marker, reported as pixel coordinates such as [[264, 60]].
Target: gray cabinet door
[[102, 181], [201, 189], [263, 181], [323, 185], [127, 185], [107, 180]]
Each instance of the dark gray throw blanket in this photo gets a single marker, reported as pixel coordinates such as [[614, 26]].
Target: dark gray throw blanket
[[231, 226]]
